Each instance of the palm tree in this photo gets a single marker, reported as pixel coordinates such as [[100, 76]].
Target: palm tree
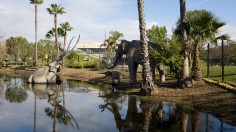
[[204, 27], [51, 33], [65, 27], [54, 10], [184, 72], [36, 2], [113, 41], [148, 85]]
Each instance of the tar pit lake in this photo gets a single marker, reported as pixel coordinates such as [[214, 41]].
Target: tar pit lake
[[79, 106]]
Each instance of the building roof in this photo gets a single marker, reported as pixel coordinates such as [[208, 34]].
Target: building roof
[[89, 45]]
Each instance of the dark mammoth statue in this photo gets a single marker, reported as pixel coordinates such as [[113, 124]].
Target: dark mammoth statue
[[133, 55]]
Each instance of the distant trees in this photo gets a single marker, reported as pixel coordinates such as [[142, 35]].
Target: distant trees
[[3, 50], [46, 47], [215, 54], [17, 47]]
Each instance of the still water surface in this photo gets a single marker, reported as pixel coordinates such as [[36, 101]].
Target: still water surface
[[87, 107]]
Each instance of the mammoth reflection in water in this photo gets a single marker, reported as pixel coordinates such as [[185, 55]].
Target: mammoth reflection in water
[[51, 92], [146, 115]]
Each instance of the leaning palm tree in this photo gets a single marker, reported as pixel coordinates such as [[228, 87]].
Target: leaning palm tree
[[36, 2], [204, 27], [148, 86], [184, 72], [54, 10]]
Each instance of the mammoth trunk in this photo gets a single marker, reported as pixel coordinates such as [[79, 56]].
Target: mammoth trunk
[[114, 62]]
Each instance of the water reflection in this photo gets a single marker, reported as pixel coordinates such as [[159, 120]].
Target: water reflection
[[145, 115], [81, 106], [51, 92], [15, 91]]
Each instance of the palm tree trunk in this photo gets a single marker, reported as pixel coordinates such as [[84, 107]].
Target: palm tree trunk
[[185, 69], [196, 64], [64, 48], [56, 35], [35, 112], [147, 111], [36, 31], [148, 86]]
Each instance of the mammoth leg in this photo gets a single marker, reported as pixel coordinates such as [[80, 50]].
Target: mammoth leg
[[30, 80], [161, 71], [153, 72], [133, 72]]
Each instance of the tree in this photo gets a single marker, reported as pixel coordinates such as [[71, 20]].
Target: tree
[[173, 57], [3, 50], [36, 2], [52, 33], [158, 35], [54, 10], [65, 27], [113, 41], [17, 47], [204, 27], [46, 47], [148, 87], [184, 72]]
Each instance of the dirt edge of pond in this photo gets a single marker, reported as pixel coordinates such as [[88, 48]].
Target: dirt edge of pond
[[203, 97]]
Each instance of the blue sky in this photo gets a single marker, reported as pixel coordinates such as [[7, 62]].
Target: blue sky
[[92, 18]]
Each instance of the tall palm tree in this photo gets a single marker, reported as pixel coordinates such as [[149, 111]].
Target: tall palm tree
[[54, 10], [65, 27], [184, 73], [36, 2], [204, 27], [148, 85]]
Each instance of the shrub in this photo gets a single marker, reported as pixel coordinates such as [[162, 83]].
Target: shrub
[[83, 64]]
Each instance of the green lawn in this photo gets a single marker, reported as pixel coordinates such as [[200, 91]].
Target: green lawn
[[215, 73]]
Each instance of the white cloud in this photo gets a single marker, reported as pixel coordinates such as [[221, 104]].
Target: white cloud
[[230, 29], [89, 18], [86, 17]]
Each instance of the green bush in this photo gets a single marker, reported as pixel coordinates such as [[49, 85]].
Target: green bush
[[2, 63], [83, 64]]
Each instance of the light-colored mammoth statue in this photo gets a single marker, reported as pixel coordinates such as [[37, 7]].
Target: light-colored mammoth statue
[[46, 75], [132, 49], [49, 75]]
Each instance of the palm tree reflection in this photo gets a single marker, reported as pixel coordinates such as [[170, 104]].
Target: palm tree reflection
[[150, 115], [57, 111]]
